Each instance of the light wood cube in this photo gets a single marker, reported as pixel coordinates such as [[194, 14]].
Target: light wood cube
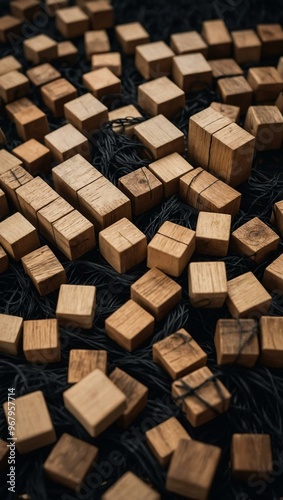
[[10, 333], [188, 42], [121, 116], [34, 155], [131, 35], [40, 49], [56, 94], [191, 72], [82, 362], [169, 170], [213, 234], [231, 112], [8, 64], [33, 196], [8, 161], [74, 235], [31, 123], [4, 261], [207, 284], [24, 9], [217, 37], [251, 456], [247, 46], [43, 74], [9, 27], [163, 439], [224, 68], [51, 213], [15, 107], [236, 91], [4, 209], [247, 297], [96, 42], [67, 52], [236, 341], [76, 305], [273, 275], [161, 96], [86, 113], [18, 236], [142, 188], [271, 36], [160, 136], [66, 142], [41, 343], [266, 83], [102, 82], [71, 22], [100, 13], [254, 239], [154, 59], [12, 180], [130, 486], [266, 124], [13, 85], [271, 341], [112, 61]]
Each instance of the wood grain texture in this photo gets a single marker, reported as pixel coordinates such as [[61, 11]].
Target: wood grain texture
[[163, 439], [15, 107], [100, 13], [13, 85], [130, 486], [213, 234], [160, 136], [273, 275], [142, 188], [42, 74], [55, 94], [86, 113], [266, 124], [236, 341], [8, 161], [33, 196], [130, 35], [254, 239], [41, 342], [188, 43], [11, 180], [217, 37], [207, 284], [74, 235], [247, 297], [10, 333], [154, 59], [96, 42], [31, 123], [111, 60], [34, 155], [251, 455], [18, 236], [231, 112], [247, 46], [236, 91], [39, 49], [76, 305], [271, 36], [169, 170], [161, 96], [66, 142], [102, 82], [71, 22], [82, 362], [266, 83], [225, 67], [191, 72], [271, 341]]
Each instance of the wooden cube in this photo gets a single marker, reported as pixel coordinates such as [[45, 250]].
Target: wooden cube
[[4, 261], [24, 9], [52, 5], [217, 37], [82, 362], [123, 115], [34, 155], [246, 297], [9, 27], [86, 113], [191, 72], [40, 49], [95, 402], [8, 64], [247, 46], [13, 85], [33, 423], [135, 392], [143, 188], [251, 456], [154, 60], [41, 343], [110, 60], [31, 123], [42, 74], [225, 67], [273, 275], [271, 36], [4, 209], [213, 234], [237, 91], [130, 325], [100, 13], [236, 341], [163, 439], [70, 461], [123, 245], [277, 216], [51, 213], [254, 239], [18, 236], [130, 486], [96, 42], [271, 341], [76, 305], [67, 52], [56, 94], [207, 284], [102, 82], [160, 136], [71, 22], [161, 96], [266, 124], [66, 142], [15, 107], [74, 235], [12, 180], [231, 112], [156, 292], [188, 42], [131, 35], [266, 83], [171, 248], [44, 270], [33, 196], [8, 161], [192, 469], [169, 170], [10, 333]]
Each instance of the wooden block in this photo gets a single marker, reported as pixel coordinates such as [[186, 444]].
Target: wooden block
[[40, 49], [10, 333], [51, 213], [247, 46], [66, 142], [100, 13], [169, 170], [236, 341], [74, 235], [67, 52], [102, 82], [56, 94], [246, 297], [41, 343], [86, 113], [273, 275], [9, 27], [44, 270], [18, 106], [192, 468], [271, 36], [251, 456], [254, 239], [277, 216], [31, 123], [143, 188], [95, 402], [4, 261], [42, 74], [156, 292], [131, 35], [188, 42], [154, 59], [271, 341], [4, 454], [96, 42], [225, 67], [191, 72], [34, 427], [204, 192], [171, 248], [179, 354], [231, 112], [4, 209], [266, 83], [121, 116], [163, 439], [11, 180], [130, 486], [17, 236], [237, 91], [213, 234], [130, 325], [160, 136], [217, 37], [123, 245], [111, 60], [161, 96], [24, 9], [279, 66], [207, 284], [71, 22], [266, 124], [8, 161], [35, 156], [52, 5], [8, 64], [82, 362], [76, 305], [70, 461], [135, 392], [33, 196], [13, 85]]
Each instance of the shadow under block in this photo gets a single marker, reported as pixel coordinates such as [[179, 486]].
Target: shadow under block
[[236, 91], [213, 233], [163, 439], [18, 236], [56, 94], [86, 113], [154, 59], [9, 27], [70, 461], [231, 112], [76, 305], [10, 333], [271, 36], [130, 325], [71, 22], [130, 486], [168, 170], [66, 142], [4, 261], [207, 284], [247, 298], [191, 72], [40, 49], [96, 42], [271, 341], [224, 68], [111, 60], [4, 209], [126, 112], [266, 124], [34, 155], [42, 74], [171, 248], [251, 456], [192, 469], [135, 392], [188, 43], [34, 428], [95, 402], [160, 136], [218, 38], [45, 270], [247, 46], [82, 362], [131, 35], [100, 13], [142, 188], [277, 216], [102, 82], [236, 341], [41, 342], [179, 354], [156, 292], [8, 64], [266, 83], [161, 96], [13, 85], [273, 275], [255, 240]]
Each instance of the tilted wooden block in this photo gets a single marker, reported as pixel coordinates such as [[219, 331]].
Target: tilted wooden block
[[4, 261], [163, 439], [236, 341], [237, 91], [56, 94], [247, 298], [169, 170], [154, 60], [271, 341], [96, 42], [192, 469], [213, 234], [41, 342], [40, 49], [126, 112], [42, 74], [70, 461], [277, 216], [111, 60], [102, 82], [24, 9], [66, 142], [13, 85], [271, 36], [34, 155], [266, 83], [143, 188], [254, 239], [18, 236], [217, 37], [67, 52], [207, 284], [161, 96], [9, 26], [34, 428], [130, 35], [86, 113], [95, 402], [71, 22], [31, 123], [4, 209], [11, 180], [82, 362], [130, 325], [247, 46], [160, 136], [266, 124], [135, 392], [100, 13], [44, 269], [8, 64], [33, 196], [179, 354], [10, 333], [76, 305], [130, 486], [171, 248], [251, 456], [273, 275], [228, 110], [191, 72], [4, 454], [225, 67], [188, 43]]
